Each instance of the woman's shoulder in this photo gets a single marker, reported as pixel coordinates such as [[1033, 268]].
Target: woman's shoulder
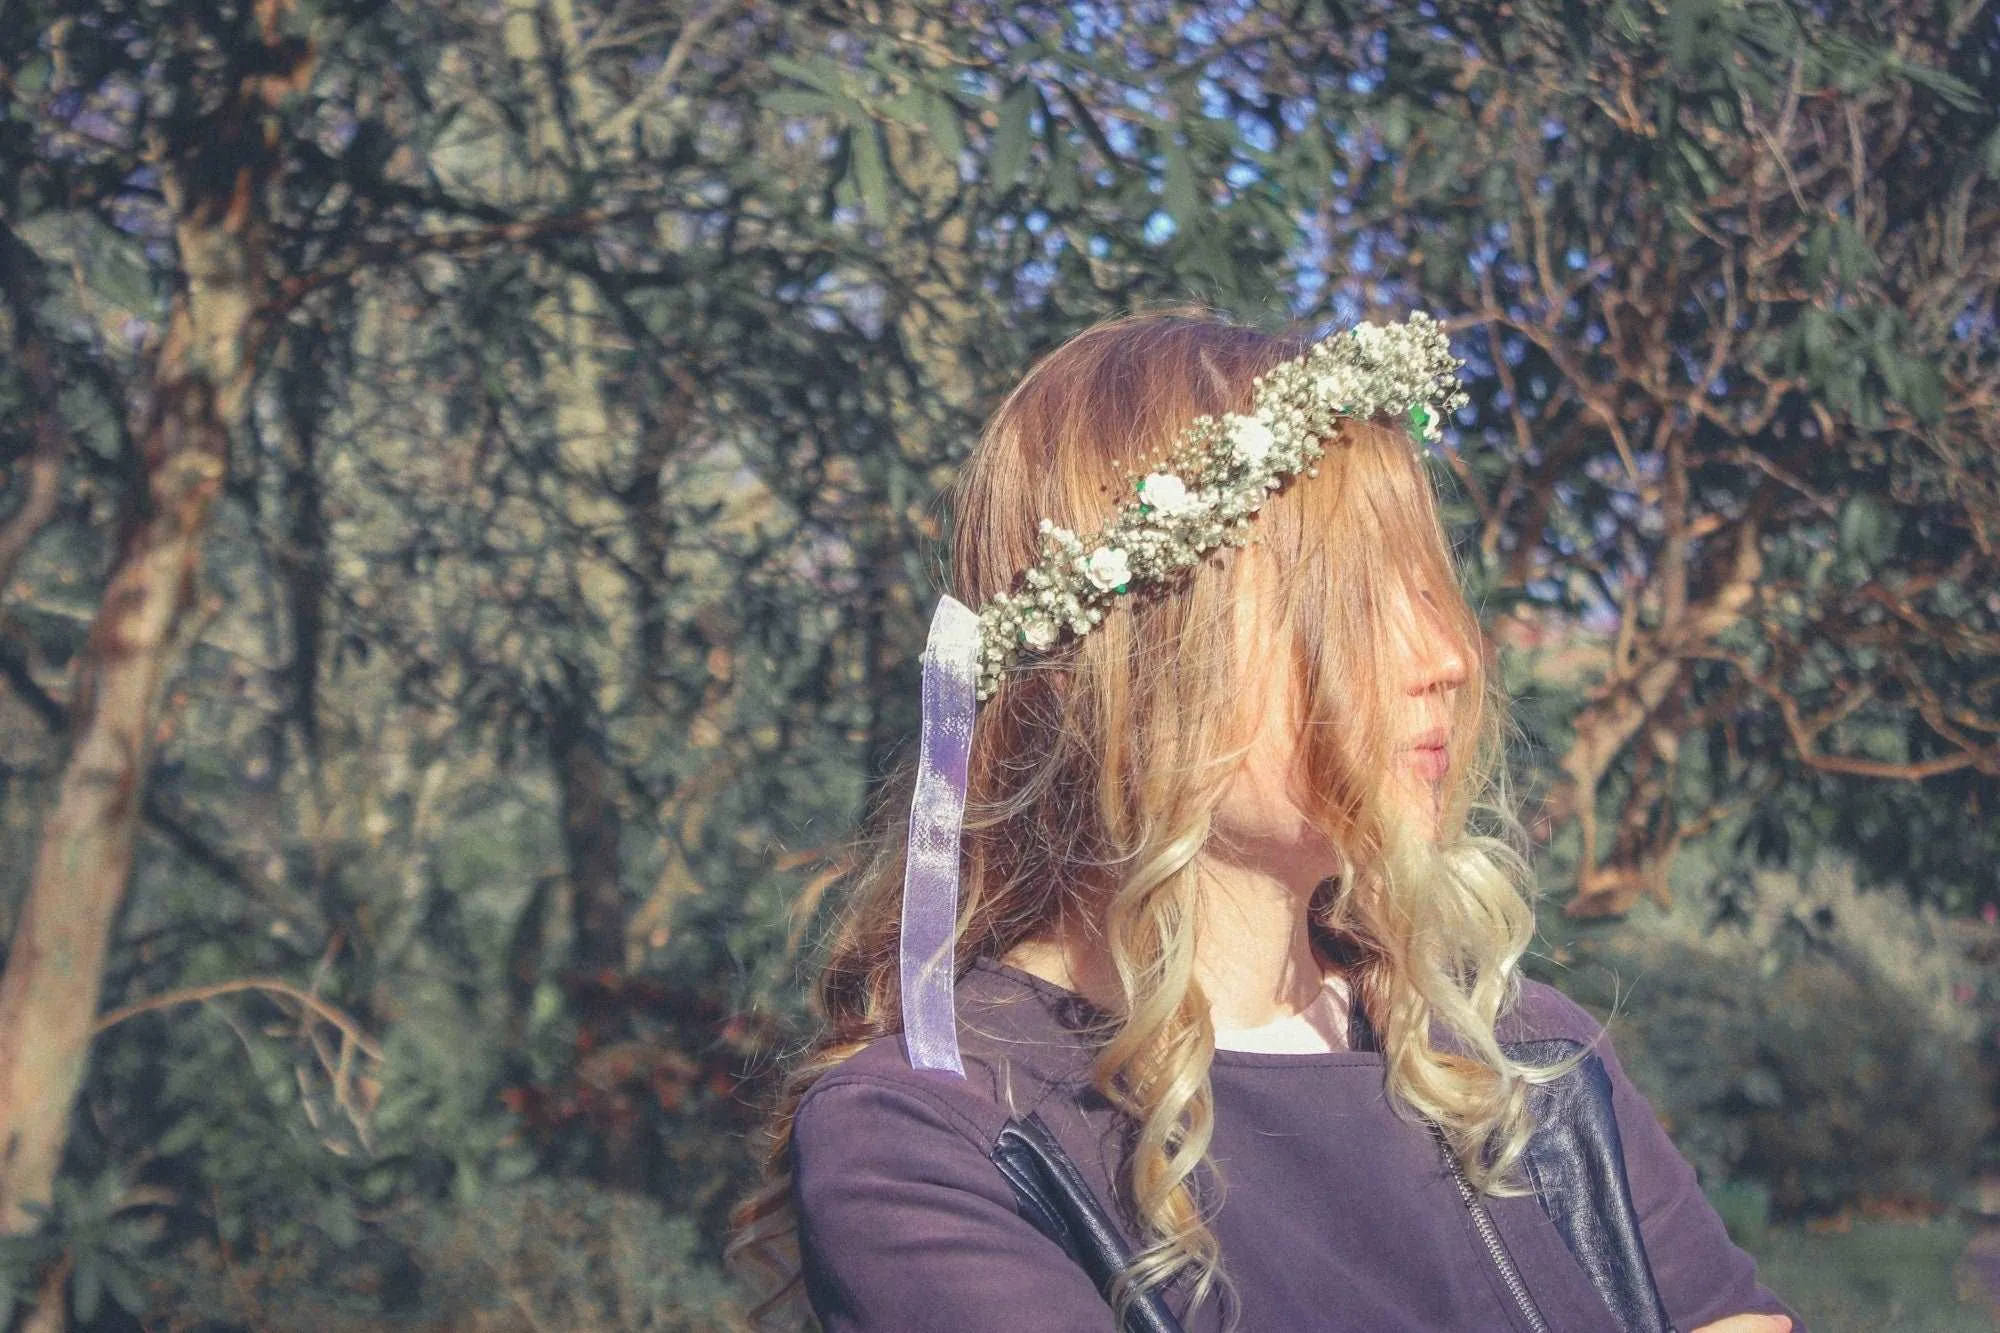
[[1020, 1046], [875, 1093], [1540, 1012]]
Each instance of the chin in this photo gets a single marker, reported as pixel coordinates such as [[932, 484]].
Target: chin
[[1419, 811]]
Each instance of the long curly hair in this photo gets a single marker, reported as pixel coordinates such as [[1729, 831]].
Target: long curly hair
[[1096, 767]]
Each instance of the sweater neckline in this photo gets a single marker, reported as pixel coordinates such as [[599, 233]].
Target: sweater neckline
[[1223, 1056]]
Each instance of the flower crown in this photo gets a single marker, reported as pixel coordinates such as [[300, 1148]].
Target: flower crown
[[1217, 476]]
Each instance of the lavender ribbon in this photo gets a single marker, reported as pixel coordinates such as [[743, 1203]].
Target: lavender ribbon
[[937, 818]]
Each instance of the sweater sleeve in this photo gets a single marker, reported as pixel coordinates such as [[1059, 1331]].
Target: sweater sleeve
[[906, 1224], [1702, 1275]]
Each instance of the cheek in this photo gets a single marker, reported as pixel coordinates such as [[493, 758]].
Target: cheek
[[1258, 802]]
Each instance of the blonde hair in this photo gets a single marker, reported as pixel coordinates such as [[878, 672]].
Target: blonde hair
[[1097, 765]]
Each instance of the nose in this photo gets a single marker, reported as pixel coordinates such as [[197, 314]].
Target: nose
[[1436, 658]]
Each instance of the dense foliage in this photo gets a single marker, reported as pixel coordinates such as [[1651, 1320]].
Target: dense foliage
[[520, 423]]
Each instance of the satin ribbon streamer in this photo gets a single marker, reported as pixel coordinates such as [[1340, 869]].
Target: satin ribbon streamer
[[937, 819]]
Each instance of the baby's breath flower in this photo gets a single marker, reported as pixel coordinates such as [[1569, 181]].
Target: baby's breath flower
[[1399, 372]]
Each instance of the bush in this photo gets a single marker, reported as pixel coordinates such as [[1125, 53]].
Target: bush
[[1794, 1030], [551, 1255]]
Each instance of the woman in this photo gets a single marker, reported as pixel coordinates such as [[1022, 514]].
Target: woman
[[1235, 1036]]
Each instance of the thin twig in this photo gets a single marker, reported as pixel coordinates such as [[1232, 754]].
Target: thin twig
[[662, 85], [347, 1025]]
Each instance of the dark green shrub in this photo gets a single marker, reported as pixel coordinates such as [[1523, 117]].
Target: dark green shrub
[[1797, 1031]]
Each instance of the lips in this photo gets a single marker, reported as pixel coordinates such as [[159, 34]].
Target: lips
[[1430, 755]]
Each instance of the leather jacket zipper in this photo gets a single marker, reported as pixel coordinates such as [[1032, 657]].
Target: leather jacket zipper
[[1503, 1263]]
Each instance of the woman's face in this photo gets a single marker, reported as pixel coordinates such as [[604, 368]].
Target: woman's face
[[1258, 820], [1429, 669]]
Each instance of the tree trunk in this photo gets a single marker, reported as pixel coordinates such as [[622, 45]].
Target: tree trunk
[[215, 171], [591, 821], [592, 445]]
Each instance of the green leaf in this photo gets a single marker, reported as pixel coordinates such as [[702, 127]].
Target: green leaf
[[1923, 390], [465, 1180], [1684, 20], [546, 1006], [905, 108], [1853, 257], [125, 1287], [941, 117], [1010, 136], [183, 1134], [819, 72], [274, 1073], [1707, 173], [871, 172], [86, 1288], [1396, 125], [1951, 89], [799, 102], [1065, 187], [1816, 332], [514, 1164], [1866, 530], [1889, 366], [1851, 66], [109, 263], [1178, 193], [336, 1219], [1818, 254], [33, 76]]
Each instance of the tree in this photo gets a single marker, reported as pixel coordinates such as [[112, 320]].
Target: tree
[[1728, 274], [596, 374], [592, 395], [215, 169]]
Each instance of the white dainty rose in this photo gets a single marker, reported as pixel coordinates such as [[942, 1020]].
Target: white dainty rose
[[1109, 567], [1167, 494], [1039, 632], [1251, 439]]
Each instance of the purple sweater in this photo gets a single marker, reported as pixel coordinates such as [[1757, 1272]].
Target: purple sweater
[[1337, 1213]]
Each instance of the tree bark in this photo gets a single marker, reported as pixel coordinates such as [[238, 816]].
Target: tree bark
[[591, 447], [216, 169], [591, 821]]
